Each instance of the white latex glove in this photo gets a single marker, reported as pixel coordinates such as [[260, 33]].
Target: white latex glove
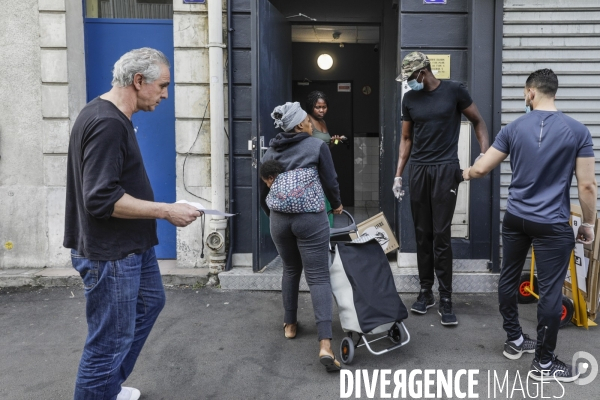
[[585, 233], [478, 157], [397, 188]]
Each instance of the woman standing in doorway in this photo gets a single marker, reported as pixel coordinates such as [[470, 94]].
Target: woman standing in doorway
[[302, 236], [316, 104]]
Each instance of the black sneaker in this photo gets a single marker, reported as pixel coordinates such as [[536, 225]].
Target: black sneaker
[[514, 352], [424, 301], [445, 311], [558, 371]]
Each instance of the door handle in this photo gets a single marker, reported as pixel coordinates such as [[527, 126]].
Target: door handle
[[252, 146], [263, 149]]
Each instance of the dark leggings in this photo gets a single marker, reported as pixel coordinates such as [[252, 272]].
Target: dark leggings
[[552, 244], [302, 240]]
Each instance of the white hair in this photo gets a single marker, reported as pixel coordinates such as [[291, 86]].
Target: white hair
[[145, 61]]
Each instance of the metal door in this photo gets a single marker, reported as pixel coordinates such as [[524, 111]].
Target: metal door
[[465, 33], [272, 86], [107, 39]]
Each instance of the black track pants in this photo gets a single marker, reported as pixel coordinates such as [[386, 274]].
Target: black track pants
[[433, 190], [552, 244]]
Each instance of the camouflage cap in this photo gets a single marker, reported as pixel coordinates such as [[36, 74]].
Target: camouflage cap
[[412, 62]]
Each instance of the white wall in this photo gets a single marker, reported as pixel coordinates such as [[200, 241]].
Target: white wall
[[41, 91], [23, 222], [192, 120], [366, 172]]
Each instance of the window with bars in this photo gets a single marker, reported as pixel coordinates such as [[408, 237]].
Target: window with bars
[[138, 9]]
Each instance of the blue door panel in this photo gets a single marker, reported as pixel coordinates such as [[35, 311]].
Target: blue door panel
[[105, 41], [274, 87]]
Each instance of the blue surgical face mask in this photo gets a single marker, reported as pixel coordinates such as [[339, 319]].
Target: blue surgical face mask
[[414, 84]]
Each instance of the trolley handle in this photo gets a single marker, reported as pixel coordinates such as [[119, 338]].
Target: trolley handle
[[345, 230]]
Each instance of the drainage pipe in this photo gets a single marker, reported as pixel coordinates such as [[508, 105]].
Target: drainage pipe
[[217, 123]]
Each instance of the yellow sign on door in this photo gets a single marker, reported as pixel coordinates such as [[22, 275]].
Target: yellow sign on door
[[441, 64]]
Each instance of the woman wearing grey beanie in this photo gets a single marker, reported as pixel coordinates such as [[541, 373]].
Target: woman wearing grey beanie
[[302, 238]]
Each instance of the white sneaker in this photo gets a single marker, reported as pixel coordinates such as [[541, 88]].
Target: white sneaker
[[129, 393]]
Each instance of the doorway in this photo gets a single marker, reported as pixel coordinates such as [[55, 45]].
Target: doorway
[[349, 33], [351, 85], [111, 29], [339, 122], [462, 28]]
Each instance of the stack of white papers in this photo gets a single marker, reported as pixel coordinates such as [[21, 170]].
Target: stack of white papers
[[200, 207]]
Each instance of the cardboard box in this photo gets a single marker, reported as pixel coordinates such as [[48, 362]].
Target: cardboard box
[[588, 280], [380, 228], [593, 289], [583, 287]]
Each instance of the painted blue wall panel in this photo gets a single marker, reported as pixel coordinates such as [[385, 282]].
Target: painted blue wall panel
[[105, 41], [241, 129], [240, 5], [241, 66], [241, 97], [242, 31]]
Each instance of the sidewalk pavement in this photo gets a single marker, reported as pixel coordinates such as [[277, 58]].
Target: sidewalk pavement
[[215, 344], [50, 277]]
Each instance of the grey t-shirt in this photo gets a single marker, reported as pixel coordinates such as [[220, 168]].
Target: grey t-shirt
[[543, 147]]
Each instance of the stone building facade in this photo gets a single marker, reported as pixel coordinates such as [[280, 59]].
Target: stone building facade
[[42, 90]]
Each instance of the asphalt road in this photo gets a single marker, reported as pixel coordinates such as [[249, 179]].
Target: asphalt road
[[216, 344]]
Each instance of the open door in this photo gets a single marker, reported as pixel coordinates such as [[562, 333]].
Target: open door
[[272, 86]]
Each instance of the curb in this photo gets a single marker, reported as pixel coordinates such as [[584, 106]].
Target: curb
[[54, 277]]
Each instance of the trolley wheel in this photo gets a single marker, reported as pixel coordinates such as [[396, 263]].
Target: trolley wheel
[[523, 296], [347, 350], [394, 334], [567, 312]]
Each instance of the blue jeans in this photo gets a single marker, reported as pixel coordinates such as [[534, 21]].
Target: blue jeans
[[124, 298]]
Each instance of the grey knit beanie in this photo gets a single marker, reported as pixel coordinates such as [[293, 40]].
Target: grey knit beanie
[[288, 116]]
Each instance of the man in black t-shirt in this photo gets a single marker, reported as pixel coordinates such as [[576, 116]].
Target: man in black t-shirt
[[110, 225], [431, 114]]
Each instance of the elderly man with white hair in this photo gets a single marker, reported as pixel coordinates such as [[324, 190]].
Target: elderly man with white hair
[[110, 225]]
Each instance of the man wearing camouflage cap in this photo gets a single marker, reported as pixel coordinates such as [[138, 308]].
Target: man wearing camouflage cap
[[431, 114]]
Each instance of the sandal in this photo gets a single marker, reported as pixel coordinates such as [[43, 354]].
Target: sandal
[[330, 363], [290, 336]]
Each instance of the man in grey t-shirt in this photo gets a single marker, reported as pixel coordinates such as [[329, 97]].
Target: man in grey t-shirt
[[545, 146]]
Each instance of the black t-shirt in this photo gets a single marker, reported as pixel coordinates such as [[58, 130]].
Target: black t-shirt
[[436, 122], [103, 164]]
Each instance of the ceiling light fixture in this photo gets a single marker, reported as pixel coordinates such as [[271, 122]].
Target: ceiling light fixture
[[325, 61]]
